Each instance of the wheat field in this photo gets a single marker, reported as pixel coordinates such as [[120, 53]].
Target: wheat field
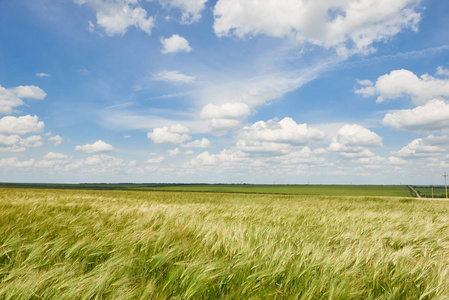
[[75, 244]]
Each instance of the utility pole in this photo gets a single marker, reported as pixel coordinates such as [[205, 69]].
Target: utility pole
[[445, 184], [432, 190]]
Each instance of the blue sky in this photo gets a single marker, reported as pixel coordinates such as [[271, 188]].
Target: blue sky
[[227, 91]]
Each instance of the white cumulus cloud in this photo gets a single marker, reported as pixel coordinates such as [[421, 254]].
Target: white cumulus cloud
[[97, 147], [10, 125], [8, 100], [424, 147], [52, 159], [174, 44], [221, 125], [15, 143], [29, 91], [276, 136], [203, 143], [55, 156], [191, 9], [178, 128], [372, 160], [356, 135], [399, 83], [225, 116], [14, 162], [353, 141], [442, 71], [104, 161], [283, 131], [225, 111], [9, 140], [303, 156], [431, 117], [12, 97], [250, 146], [155, 160], [57, 139], [346, 25], [174, 134], [204, 159], [176, 152], [116, 16], [33, 141]]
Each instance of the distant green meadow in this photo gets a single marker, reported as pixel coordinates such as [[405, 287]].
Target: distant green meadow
[[426, 191], [335, 190], [86, 244]]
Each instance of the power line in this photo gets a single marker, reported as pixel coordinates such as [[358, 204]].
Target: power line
[[445, 184]]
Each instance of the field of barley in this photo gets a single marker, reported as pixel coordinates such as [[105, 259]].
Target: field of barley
[[80, 244]]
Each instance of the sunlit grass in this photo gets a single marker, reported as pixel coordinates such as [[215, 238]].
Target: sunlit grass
[[72, 244]]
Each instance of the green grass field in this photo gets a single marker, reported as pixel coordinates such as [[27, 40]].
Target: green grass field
[[75, 244], [426, 191], [335, 190]]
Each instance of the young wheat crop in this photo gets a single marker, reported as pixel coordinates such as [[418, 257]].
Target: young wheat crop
[[74, 244]]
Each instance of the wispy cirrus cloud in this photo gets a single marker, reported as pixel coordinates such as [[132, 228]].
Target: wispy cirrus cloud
[[174, 77], [43, 74]]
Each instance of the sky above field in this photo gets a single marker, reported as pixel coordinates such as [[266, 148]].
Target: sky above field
[[227, 91]]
